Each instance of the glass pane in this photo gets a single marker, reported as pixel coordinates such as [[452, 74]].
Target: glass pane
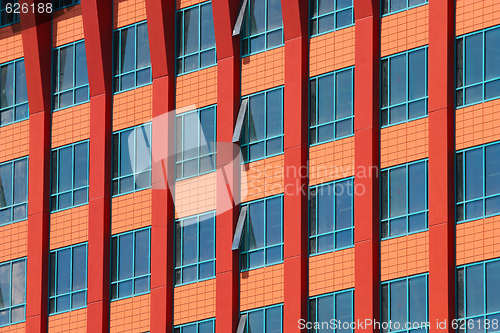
[[79, 267], [141, 285], [418, 299], [191, 30], [207, 27], [256, 259], [256, 19], [81, 165], [397, 5], [326, 23], [207, 135], [274, 121], [385, 194], [460, 293], [63, 303], [126, 152], [66, 68], [343, 204], [255, 321], [190, 241], [127, 50], [256, 225], [207, 270], [397, 114], [178, 244], [384, 72], [475, 290], [397, 191], [473, 94], [312, 102], [142, 252], [474, 174], [492, 50], [344, 95], [273, 221], [344, 18], [207, 237], [114, 259], [206, 327], [417, 109], [417, 187], [63, 271], [398, 303], [78, 300], [273, 320], [460, 62], [385, 304], [81, 76], [143, 148], [273, 255], [344, 309], [256, 117], [325, 99], [492, 89], [325, 242], [325, 6], [4, 285], [492, 289], [398, 78], [474, 59], [492, 169], [343, 239], [325, 197], [6, 185], [21, 88], [125, 257], [143, 59], [125, 288], [65, 169], [417, 222], [7, 85], [417, 74], [190, 135], [398, 226]]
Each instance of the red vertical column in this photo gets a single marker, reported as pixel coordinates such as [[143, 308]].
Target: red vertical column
[[228, 165], [97, 25], [295, 23], [441, 163], [161, 29], [37, 44], [366, 156]]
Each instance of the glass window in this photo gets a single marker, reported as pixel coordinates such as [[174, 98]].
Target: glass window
[[59, 4], [331, 115], [405, 301], [195, 38], [478, 182], [195, 142], [12, 292], [338, 305], [70, 176], [262, 133], [394, 6], [478, 297], [205, 326], [131, 61], [68, 279], [262, 27], [404, 204], [404, 87], [13, 92], [330, 15], [132, 159], [478, 69], [265, 320], [71, 82], [195, 248], [331, 219], [13, 191], [262, 238], [130, 263], [7, 15]]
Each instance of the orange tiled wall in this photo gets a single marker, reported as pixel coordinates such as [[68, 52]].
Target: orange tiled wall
[[17, 328], [475, 15], [331, 51], [198, 88], [11, 43], [478, 240], [330, 161], [73, 321], [130, 211], [477, 124], [70, 125], [195, 301], [261, 287], [187, 3], [195, 195], [331, 272], [14, 242], [403, 256], [262, 71], [132, 107], [404, 30], [14, 140], [404, 142], [262, 178], [127, 12], [70, 226], [67, 25], [130, 315]]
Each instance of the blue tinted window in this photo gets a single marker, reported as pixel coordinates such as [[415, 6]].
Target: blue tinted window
[[131, 59], [59, 4], [262, 27], [262, 239], [195, 38], [204, 326], [132, 159], [7, 12], [477, 67], [330, 15], [195, 248], [338, 305], [130, 263], [265, 320], [394, 6], [478, 182], [331, 223], [13, 191], [12, 292], [13, 93], [68, 279], [404, 205], [404, 87]]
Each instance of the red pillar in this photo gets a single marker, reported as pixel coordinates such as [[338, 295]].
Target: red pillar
[[97, 25], [441, 163], [366, 156], [161, 30], [37, 44], [296, 129]]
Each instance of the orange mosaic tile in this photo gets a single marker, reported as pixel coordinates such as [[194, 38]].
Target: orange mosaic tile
[[193, 302], [131, 211], [132, 107], [473, 15], [478, 240], [17, 328], [11, 43], [127, 12], [262, 71], [198, 88], [70, 125], [331, 51], [14, 243], [477, 124], [331, 161], [331, 272], [262, 287], [186, 3], [67, 25], [130, 315], [262, 178], [195, 195], [405, 30], [404, 143], [70, 226], [14, 140], [73, 321], [403, 256]]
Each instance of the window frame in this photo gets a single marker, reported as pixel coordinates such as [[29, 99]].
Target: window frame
[[335, 12], [334, 294], [59, 6], [180, 328], [13, 180], [17, 17], [23, 304], [264, 322], [408, 7], [15, 105]]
